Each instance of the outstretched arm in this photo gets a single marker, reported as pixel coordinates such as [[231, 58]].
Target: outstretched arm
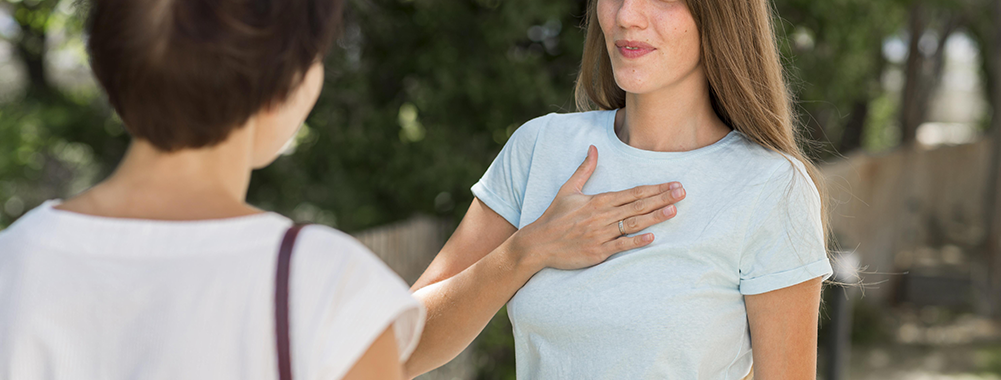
[[460, 304]]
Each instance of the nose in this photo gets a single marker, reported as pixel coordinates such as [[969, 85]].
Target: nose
[[631, 14]]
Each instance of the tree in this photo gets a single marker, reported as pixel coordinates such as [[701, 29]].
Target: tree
[[929, 26], [834, 52], [33, 19], [419, 98], [990, 289], [52, 143]]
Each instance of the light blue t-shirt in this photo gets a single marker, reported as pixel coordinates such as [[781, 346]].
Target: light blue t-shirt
[[751, 223]]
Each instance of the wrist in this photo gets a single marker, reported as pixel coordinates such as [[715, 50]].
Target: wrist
[[519, 256]]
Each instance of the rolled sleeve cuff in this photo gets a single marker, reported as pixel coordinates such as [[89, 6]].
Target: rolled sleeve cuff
[[774, 281], [496, 203]]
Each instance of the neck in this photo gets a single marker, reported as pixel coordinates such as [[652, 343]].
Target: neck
[[676, 118], [190, 184]]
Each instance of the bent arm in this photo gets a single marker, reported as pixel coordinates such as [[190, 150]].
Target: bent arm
[[487, 259], [465, 285], [783, 327]]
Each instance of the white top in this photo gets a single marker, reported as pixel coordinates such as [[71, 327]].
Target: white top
[[85, 297], [751, 223]]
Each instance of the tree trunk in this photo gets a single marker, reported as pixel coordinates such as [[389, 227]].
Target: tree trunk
[[909, 110], [991, 290], [31, 44], [31, 48], [851, 137], [854, 130], [922, 73]]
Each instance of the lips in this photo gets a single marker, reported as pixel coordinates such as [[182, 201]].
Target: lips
[[633, 49]]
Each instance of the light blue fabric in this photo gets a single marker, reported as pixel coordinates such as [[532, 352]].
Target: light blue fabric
[[750, 224]]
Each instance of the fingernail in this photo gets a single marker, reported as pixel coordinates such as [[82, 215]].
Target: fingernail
[[670, 210], [648, 237], [675, 185], [678, 193]]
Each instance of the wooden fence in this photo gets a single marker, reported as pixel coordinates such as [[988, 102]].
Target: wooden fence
[[915, 217], [408, 247]]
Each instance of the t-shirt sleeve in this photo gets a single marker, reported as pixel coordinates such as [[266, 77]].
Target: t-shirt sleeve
[[347, 298], [784, 243], [502, 187]]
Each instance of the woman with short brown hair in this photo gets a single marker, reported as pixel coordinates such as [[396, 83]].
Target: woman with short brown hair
[[163, 271]]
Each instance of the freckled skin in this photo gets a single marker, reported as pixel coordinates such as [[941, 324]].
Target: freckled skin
[[665, 24]]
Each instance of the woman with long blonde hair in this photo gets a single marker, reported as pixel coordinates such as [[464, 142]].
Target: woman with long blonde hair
[[691, 92]]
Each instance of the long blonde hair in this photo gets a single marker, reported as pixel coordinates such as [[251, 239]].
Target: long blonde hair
[[741, 60]]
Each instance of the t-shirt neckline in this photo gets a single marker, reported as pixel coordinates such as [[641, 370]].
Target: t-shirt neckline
[[619, 145], [49, 207], [85, 234]]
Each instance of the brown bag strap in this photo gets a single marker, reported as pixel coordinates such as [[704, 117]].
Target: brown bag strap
[[281, 303]]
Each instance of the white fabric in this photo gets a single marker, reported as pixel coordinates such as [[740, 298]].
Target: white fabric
[[84, 297], [750, 224]]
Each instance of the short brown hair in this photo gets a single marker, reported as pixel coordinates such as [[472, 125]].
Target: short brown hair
[[186, 73]]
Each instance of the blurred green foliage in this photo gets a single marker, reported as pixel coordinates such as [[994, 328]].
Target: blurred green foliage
[[835, 60], [988, 360], [495, 349], [52, 147], [419, 97], [421, 94]]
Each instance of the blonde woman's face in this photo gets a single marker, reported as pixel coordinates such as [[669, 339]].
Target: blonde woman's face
[[653, 44]]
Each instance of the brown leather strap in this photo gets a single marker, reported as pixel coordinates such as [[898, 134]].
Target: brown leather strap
[[281, 303]]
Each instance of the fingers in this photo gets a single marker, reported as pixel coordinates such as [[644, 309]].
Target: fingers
[[626, 243], [583, 173], [619, 198], [649, 204], [639, 223]]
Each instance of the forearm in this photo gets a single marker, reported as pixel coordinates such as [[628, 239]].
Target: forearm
[[460, 307]]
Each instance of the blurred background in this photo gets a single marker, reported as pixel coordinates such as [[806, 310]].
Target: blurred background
[[896, 97]]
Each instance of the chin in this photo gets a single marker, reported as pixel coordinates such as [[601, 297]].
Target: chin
[[634, 83]]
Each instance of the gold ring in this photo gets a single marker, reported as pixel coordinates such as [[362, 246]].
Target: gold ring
[[622, 228]]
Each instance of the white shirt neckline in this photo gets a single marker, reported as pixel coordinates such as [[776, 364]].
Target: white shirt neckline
[[144, 236]]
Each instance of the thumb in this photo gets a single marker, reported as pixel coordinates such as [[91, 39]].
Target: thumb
[[584, 171]]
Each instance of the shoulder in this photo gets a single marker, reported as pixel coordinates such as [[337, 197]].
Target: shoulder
[[30, 226], [766, 163], [325, 247], [350, 288], [333, 260], [775, 172], [560, 126], [339, 269], [579, 120]]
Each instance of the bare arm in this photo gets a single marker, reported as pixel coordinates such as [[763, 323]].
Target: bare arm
[[487, 260], [783, 326], [381, 361], [460, 304], [482, 230]]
